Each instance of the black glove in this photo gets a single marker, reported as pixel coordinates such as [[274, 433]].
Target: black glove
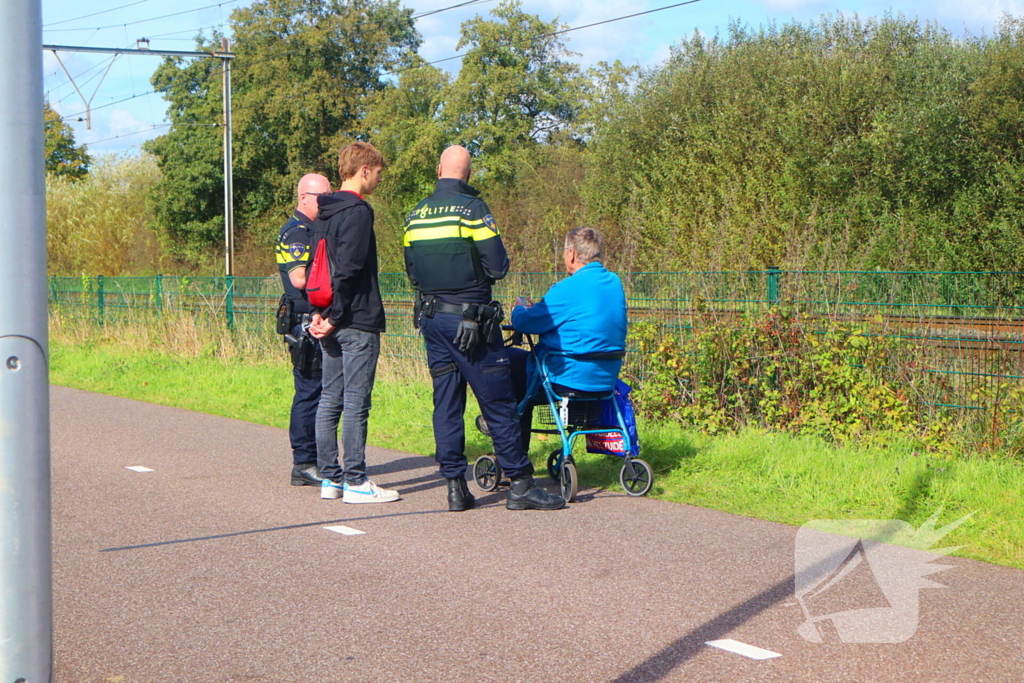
[[468, 334]]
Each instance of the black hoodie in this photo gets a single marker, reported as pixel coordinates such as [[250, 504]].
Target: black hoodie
[[347, 222]]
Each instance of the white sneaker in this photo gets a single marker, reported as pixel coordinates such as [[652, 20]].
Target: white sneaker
[[330, 490], [368, 492]]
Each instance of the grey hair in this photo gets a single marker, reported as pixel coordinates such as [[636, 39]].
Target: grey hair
[[586, 242]]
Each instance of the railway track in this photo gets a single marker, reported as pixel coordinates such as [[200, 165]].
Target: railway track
[[947, 331]]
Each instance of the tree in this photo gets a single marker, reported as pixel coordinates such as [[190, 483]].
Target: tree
[[63, 157], [405, 122], [188, 202], [302, 78], [514, 90]]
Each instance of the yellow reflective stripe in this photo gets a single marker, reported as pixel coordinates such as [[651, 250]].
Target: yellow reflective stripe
[[451, 218], [478, 221], [415, 235], [481, 234], [283, 254]]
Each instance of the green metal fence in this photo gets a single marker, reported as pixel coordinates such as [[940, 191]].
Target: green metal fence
[[968, 327]]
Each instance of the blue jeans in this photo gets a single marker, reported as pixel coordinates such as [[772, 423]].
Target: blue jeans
[[349, 368]]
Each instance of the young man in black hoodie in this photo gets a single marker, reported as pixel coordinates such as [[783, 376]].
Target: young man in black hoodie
[[349, 328]]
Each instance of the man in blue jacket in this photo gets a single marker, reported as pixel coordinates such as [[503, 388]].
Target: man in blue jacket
[[581, 322]]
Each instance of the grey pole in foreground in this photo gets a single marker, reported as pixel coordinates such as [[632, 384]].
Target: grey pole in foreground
[[26, 591], [229, 191]]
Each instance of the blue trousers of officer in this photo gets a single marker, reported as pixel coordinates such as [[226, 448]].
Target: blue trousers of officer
[[486, 370], [302, 425]]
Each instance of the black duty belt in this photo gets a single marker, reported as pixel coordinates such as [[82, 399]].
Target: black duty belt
[[484, 310], [445, 307]]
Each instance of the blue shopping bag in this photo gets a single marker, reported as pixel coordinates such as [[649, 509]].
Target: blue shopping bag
[[611, 443]]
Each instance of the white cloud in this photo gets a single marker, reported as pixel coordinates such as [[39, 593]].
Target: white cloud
[[975, 15], [122, 122], [116, 131], [659, 56], [625, 40], [791, 5]]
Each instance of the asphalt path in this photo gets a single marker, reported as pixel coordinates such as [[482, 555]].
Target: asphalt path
[[212, 568]]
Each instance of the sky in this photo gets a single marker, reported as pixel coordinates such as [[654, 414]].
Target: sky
[[121, 126]]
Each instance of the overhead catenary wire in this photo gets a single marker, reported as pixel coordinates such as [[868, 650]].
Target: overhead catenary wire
[[143, 21], [98, 65], [96, 14], [191, 30], [84, 42], [286, 53], [580, 28], [445, 9], [109, 104], [219, 71], [531, 39], [152, 128], [87, 81], [462, 4], [125, 135], [158, 35]]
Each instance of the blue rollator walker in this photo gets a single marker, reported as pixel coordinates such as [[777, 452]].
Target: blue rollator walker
[[570, 414]]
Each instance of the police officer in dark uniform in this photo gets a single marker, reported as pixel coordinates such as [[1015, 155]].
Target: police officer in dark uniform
[[453, 255], [293, 246]]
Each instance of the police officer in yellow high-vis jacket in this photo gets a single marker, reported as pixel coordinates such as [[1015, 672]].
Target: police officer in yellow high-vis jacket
[[453, 255], [292, 257]]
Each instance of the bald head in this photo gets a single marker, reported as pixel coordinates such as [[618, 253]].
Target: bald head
[[311, 185], [455, 163], [314, 183]]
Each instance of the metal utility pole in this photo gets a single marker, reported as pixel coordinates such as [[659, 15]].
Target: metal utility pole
[[26, 588], [225, 57], [229, 191], [86, 101]]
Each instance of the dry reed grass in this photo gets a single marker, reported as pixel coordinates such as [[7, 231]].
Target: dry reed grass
[[204, 334]]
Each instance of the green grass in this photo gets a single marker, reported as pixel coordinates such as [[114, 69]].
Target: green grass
[[778, 477]]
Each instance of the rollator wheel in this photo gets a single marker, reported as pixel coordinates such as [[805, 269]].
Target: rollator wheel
[[553, 464], [569, 482], [487, 472], [638, 481], [481, 425]]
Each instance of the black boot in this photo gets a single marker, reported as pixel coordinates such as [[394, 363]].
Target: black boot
[[459, 497], [306, 475], [524, 494]]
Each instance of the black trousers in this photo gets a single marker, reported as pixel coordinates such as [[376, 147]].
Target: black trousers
[[486, 369], [302, 424], [518, 359]]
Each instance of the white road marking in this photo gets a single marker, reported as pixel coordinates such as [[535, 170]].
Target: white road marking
[[742, 649], [346, 530], [138, 468]]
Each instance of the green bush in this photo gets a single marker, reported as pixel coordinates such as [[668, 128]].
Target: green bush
[[780, 370], [838, 144]]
